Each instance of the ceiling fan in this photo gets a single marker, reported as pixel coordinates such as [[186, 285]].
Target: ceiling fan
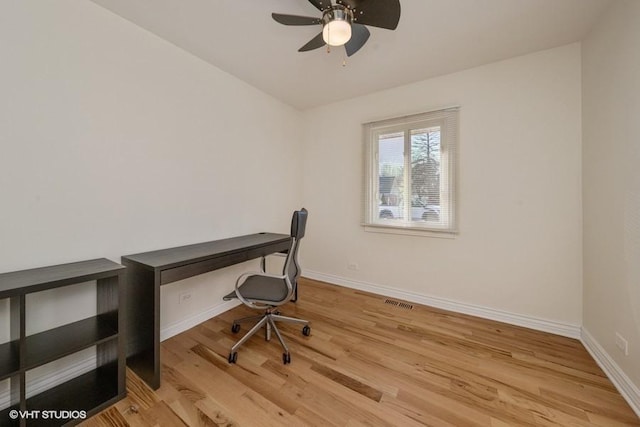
[[344, 23]]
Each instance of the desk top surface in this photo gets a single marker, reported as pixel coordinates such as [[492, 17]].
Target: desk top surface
[[169, 258]]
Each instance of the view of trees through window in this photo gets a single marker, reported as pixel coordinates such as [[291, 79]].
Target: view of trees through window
[[420, 199]]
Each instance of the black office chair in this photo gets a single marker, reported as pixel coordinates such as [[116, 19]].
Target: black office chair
[[264, 291]]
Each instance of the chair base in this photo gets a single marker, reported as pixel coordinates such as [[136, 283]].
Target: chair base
[[268, 320]]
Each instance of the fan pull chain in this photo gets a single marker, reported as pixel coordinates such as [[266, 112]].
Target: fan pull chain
[[329, 38]]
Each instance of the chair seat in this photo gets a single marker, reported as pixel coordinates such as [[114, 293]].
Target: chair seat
[[260, 288]]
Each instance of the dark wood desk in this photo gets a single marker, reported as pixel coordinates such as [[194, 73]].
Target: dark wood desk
[[146, 272]]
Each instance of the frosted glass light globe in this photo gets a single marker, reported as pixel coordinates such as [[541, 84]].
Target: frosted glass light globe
[[336, 33]]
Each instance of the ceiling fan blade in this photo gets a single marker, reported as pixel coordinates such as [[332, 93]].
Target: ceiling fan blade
[[314, 43], [376, 13], [295, 19], [321, 4], [359, 36]]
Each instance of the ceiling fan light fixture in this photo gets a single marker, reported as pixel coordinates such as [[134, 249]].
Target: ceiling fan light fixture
[[336, 33], [336, 30], [345, 23]]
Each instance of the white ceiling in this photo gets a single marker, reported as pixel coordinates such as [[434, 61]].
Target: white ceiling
[[434, 37]]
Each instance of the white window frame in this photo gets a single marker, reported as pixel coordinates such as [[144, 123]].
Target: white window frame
[[447, 121]]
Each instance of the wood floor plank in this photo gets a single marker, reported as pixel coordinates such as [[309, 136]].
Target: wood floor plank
[[214, 412], [348, 381], [368, 362], [139, 393], [110, 417], [160, 414]]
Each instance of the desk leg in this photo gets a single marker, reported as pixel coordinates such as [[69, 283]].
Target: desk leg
[[143, 322]]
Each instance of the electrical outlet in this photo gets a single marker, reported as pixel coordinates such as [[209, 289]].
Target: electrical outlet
[[353, 266], [622, 344], [184, 297]]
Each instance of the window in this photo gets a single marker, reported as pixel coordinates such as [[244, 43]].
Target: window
[[410, 170]]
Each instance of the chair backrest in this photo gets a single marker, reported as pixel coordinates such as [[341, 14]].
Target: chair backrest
[[298, 226]]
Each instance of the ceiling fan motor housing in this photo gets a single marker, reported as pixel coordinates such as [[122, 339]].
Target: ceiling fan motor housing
[[337, 13]]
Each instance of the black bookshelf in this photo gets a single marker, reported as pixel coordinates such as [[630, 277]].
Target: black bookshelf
[[89, 392]]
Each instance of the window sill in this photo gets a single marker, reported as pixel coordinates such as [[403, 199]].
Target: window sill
[[410, 231]]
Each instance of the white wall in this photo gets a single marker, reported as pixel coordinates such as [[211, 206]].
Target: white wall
[[611, 176], [519, 246], [114, 141]]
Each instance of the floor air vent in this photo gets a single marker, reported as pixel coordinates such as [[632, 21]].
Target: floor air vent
[[399, 304]]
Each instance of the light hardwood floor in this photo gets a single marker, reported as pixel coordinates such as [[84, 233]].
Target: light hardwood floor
[[368, 362]]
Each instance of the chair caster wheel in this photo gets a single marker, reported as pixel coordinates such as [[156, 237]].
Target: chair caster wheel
[[286, 358], [306, 331], [235, 328], [233, 357]]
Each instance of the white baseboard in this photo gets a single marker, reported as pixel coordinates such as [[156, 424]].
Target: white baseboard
[[554, 327], [60, 376], [188, 323], [623, 383]]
